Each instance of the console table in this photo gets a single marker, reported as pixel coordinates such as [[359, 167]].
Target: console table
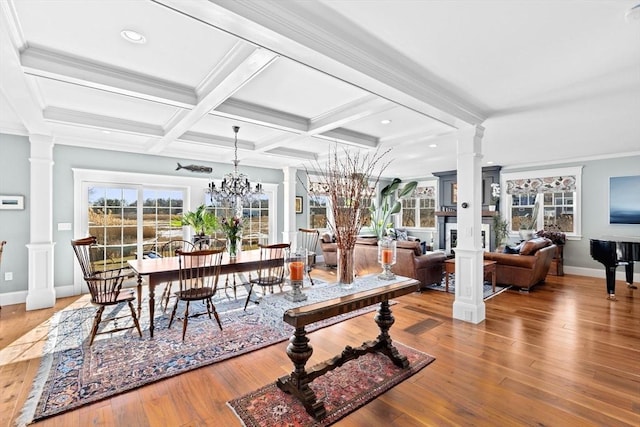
[[299, 350]]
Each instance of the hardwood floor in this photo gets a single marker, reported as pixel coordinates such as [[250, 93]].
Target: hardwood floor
[[562, 355]]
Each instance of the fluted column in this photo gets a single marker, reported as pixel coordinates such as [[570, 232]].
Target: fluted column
[[469, 305], [41, 293]]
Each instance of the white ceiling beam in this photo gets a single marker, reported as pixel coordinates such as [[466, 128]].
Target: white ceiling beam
[[347, 113], [350, 137], [230, 78], [14, 86], [49, 64], [215, 141], [260, 115], [97, 121], [313, 34]]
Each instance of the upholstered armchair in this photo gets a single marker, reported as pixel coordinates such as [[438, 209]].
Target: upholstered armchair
[[329, 250]]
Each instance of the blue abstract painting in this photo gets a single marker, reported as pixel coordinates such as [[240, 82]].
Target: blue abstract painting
[[624, 199]]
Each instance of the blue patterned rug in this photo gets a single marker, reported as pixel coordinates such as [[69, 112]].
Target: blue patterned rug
[[73, 374]]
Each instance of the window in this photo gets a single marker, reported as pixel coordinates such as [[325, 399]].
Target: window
[[114, 218], [318, 211], [556, 192], [418, 211]]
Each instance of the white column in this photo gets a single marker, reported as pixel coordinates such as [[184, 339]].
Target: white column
[[469, 304], [41, 293], [289, 233]]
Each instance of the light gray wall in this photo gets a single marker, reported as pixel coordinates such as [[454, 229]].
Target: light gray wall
[[14, 225], [14, 179]]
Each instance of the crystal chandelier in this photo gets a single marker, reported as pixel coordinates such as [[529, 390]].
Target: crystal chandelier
[[235, 185]]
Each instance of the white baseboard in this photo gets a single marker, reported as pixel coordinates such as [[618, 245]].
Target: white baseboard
[[10, 298], [600, 272], [20, 297]]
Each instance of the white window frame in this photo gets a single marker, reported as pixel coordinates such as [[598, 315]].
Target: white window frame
[[577, 208], [194, 188], [398, 218]]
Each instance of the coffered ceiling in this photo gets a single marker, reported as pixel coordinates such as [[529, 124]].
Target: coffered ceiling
[[551, 81]]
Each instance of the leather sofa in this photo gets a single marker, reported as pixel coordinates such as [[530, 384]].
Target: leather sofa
[[526, 268], [410, 262], [329, 250]]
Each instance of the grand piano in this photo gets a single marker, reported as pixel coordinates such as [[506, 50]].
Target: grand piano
[[613, 251]]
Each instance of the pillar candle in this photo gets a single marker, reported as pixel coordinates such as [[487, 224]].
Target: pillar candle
[[297, 270], [387, 256]]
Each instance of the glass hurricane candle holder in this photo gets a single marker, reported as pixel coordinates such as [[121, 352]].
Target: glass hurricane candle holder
[[386, 257], [296, 266]]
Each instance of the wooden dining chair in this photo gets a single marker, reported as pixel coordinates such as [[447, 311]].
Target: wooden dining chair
[[309, 240], [170, 249], [198, 280], [270, 268], [105, 287]]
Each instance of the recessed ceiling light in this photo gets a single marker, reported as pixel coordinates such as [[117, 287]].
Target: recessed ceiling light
[[489, 162], [385, 121], [433, 145], [106, 131], [133, 36]]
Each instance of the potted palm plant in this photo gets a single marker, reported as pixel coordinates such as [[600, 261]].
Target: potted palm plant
[[202, 221]]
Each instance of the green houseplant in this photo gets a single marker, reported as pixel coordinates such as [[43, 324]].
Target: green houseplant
[[383, 207], [500, 230], [203, 222]]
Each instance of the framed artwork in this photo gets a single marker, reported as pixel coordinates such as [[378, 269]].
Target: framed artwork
[[298, 204], [624, 199]]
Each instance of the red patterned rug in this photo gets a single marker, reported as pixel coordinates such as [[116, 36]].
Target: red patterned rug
[[343, 390], [73, 374]]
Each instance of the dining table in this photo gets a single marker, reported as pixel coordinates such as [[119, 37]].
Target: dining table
[[167, 269]]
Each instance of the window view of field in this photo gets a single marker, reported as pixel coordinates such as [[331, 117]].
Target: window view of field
[[122, 229]]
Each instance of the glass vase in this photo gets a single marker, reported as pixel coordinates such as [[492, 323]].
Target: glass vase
[[345, 267], [233, 247]]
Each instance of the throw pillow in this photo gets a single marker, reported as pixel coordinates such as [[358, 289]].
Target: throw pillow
[[401, 234], [513, 250], [530, 247]]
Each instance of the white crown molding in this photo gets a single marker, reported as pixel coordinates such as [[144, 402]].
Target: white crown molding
[[313, 34], [14, 84], [47, 63], [96, 121]]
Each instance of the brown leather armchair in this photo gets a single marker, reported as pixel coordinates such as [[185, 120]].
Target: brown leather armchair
[[329, 250], [527, 268], [410, 262]]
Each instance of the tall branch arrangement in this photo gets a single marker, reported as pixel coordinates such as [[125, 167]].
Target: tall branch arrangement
[[349, 179]]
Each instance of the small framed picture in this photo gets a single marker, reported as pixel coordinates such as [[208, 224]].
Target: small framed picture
[[12, 202], [298, 204]]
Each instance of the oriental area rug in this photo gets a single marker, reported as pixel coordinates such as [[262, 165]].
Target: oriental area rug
[[73, 374], [342, 390]]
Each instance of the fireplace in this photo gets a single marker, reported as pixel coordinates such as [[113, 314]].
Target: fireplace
[[451, 237]]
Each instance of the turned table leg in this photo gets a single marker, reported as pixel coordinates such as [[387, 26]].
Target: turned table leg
[[297, 383], [384, 319]]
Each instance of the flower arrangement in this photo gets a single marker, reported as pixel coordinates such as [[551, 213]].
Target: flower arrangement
[[495, 192], [232, 227]]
